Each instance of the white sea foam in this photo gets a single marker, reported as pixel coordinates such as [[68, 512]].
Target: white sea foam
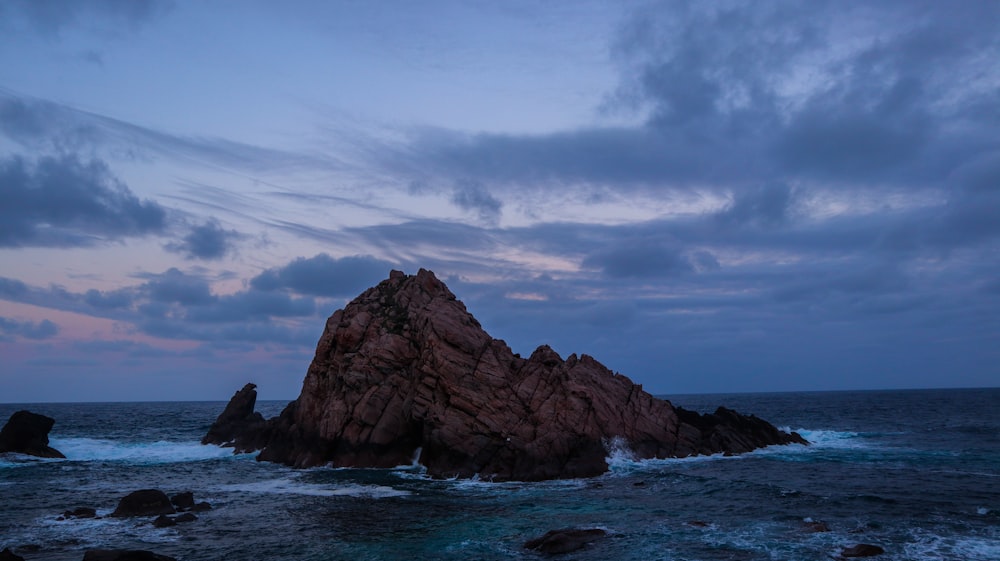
[[967, 548], [160, 452], [293, 486], [622, 460], [819, 438]]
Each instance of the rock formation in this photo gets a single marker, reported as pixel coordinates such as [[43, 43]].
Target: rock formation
[[28, 433], [404, 372], [147, 502], [237, 422]]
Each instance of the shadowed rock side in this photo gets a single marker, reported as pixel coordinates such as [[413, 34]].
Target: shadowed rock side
[[404, 369], [28, 433], [238, 423]]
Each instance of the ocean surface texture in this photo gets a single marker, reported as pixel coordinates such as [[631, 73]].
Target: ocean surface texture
[[915, 472]]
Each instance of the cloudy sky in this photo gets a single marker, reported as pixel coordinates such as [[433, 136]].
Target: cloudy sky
[[707, 197]]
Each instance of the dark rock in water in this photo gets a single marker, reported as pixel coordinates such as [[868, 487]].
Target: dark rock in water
[[815, 527], [82, 512], [8, 555], [862, 550], [124, 555], [404, 367], [183, 501], [147, 502], [186, 517], [238, 425], [201, 507], [28, 433], [730, 432], [164, 521], [564, 540]]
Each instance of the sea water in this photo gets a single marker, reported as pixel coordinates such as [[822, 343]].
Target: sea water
[[915, 472]]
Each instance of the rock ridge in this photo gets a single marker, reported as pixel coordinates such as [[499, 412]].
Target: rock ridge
[[404, 372]]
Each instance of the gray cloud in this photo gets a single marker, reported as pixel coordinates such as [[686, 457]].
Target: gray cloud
[[323, 275], [638, 259], [10, 329], [470, 195], [863, 96], [767, 205], [65, 202], [208, 241]]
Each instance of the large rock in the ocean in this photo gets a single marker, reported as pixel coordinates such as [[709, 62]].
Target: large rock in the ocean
[[147, 502], [28, 433], [237, 422], [405, 371]]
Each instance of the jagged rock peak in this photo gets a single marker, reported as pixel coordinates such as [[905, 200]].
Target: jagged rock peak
[[405, 371]]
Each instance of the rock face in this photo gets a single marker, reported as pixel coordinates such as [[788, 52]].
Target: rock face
[[28, 433], [404, 372], [238, 421], [147, 502]]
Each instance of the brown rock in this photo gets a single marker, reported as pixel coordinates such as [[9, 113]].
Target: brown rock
[[164, 521], [815, 527], [404, 367], [237, 422], [147, 502], [28, 433], [183, 501]]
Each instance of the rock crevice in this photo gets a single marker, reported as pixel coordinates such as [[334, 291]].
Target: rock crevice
[[405, 366]]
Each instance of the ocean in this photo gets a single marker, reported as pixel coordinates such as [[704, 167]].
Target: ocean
[[914, 472]]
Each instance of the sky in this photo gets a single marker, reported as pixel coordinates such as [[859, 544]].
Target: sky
[[708, 197]]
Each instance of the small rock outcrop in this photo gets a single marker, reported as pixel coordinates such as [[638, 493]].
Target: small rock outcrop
[[147, 502], [861, 550], [81, 512], [238, 423], [565, 540], [405, 372], [28, 433]]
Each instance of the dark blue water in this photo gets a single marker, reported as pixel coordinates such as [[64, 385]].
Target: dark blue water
[[916, 472]]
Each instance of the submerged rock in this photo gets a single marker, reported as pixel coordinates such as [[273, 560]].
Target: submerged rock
[[28, 433], [861, 550], [124, 555], [565, 540], [183, 501], [147, 502], [405, 367], [8, 555], [164, 521], [82, 512]]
